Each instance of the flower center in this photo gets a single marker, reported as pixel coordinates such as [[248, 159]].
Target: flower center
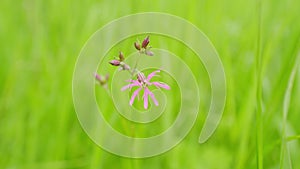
[[142, 79]]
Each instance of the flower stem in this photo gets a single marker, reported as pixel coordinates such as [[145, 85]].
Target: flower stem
[[259, 116], [136, 63]]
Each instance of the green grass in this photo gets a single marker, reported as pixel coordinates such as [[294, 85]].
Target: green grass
[[258, 75], [258, 44]]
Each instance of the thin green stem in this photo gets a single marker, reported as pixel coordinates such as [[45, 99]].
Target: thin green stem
[[291, 138], [286, 104], [136, 63], [131, 72], [259, 118]]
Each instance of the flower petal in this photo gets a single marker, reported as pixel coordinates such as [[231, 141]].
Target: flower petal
[[129, 86], [161, 85], [132, 81], [153, 97], [152, 74], [136, 92], [146, 92]]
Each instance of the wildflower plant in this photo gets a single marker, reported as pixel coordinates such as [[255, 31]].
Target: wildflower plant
[[119, 128], [139, 82]]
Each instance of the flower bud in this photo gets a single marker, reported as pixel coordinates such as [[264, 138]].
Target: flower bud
[[124, 66], [98, 77], [115, 62], [101, 79], [137, 46], [145, 42], [149, 53], [121, 56]]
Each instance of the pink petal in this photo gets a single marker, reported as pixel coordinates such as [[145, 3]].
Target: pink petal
[[130, 86], [162, 85], [132, 81], [153, 97], [146, 98], [152, 74], [136, 92]]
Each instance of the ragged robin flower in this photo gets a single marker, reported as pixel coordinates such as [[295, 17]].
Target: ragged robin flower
[[143, 83]]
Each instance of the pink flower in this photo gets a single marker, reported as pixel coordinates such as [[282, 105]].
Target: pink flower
[[142, 83]]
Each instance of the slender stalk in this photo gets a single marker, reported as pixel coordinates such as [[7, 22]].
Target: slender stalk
[[132, 73], [259, 118], [286, 104], [136, 63], [291, 138]]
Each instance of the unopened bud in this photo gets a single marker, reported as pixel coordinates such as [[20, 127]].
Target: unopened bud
[[137, 46], [145, 42], [98, 77], [115, 62], [149, 53], [121, 56], [101, 79], [124, 66]]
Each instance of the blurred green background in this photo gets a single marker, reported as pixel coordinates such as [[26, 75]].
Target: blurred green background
[[258, 42]]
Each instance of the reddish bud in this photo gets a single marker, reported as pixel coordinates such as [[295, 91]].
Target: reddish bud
[[115, 62], [137, 46], [145, 42], [121, 56]]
